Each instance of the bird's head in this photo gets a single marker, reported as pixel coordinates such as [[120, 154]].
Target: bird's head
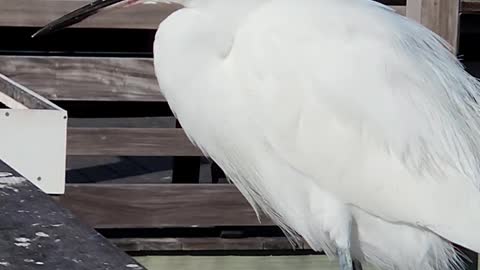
[[95, 7]]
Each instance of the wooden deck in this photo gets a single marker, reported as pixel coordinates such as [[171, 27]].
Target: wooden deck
[[36, 233]]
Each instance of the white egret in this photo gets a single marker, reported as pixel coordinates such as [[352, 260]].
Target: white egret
[[348, 124]]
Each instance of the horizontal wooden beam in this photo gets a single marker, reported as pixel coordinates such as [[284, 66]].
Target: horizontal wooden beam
[[204, 243], [106, 206], [470, 7], [129, 142], [40, 12], [85, 78], [36, 13]]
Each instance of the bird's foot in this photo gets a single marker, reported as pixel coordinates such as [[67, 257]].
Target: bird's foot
[[345, 259]]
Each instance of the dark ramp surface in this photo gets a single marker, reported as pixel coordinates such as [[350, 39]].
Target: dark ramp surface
[[36, 233]]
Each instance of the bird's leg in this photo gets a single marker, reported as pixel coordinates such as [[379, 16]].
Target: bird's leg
[[336, 220], [345, 259]]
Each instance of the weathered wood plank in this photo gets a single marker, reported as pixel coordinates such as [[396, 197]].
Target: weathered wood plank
[[157, 206], [414, 10], [85, 78], [35, 232], [470, 6], [441, 16], [19, 97], [36, 13], [129, 142], [204, 243]]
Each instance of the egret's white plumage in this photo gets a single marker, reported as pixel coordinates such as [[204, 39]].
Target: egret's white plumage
[[326, 113], [348, 124]]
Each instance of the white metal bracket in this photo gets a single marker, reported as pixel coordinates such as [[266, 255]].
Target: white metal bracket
[[33, 134]]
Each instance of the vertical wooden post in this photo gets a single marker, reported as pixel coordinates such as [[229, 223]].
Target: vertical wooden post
[[414, 10], [441, 16]]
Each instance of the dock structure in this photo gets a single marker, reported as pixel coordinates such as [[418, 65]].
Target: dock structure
[[132, 174], [37, 233]]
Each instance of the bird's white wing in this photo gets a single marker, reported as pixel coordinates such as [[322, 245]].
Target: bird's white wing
[[368, 104]]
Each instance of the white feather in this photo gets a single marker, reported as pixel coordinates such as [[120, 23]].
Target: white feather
[[326, 113]]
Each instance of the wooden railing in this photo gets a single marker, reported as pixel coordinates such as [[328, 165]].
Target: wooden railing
[[84, 82]]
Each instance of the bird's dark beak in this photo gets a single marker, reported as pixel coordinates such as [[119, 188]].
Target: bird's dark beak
[[78, 15]]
